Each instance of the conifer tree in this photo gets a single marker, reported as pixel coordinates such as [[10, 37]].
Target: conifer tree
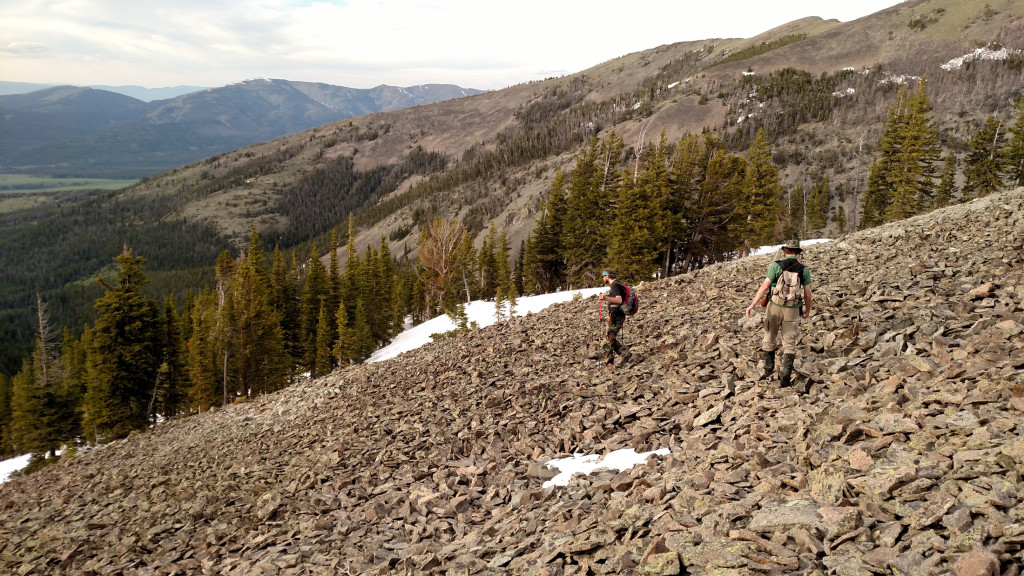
[[840, 219], [362, 335], [796, 200], [587, 217], [912, 166], [174, 384], [124, 355], [543, 263], [388, 314], [487, 265], [983, 165], [38, 410], [503, 258], [1013, 152], [316, 289], [204, 376], [817, 206], [708, 191], [6, 448], [351, 283], [284, 286], [518, 269], [258, 364], [336, 283], [875, 198], [499, 303], [761, 206], [512, 295], [946, 190], [636, 234], [324, 343]]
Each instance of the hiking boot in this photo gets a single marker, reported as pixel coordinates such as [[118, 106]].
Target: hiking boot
[[769, 364], [786, 372]]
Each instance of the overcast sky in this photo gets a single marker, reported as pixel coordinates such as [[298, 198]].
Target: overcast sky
[[363, 43]]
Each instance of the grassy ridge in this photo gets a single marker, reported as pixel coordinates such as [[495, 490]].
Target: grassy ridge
[[26, 183]]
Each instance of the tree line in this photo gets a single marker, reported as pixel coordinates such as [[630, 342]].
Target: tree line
[[267, 321]]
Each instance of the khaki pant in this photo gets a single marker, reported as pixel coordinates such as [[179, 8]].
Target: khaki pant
[[786, 320]]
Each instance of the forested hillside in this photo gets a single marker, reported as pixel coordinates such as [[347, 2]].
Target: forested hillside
[[307, 252]]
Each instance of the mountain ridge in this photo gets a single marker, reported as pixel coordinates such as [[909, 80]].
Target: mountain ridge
[[49, 130]]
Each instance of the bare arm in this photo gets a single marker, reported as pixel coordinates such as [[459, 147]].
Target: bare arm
[[807, 301], [761, 291], [610, 299]]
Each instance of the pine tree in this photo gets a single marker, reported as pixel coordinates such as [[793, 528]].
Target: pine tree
[[503, 258], [518, 270], [1013, 153], [636, 237], [124, 355], [912, 167], [761, 205], [352, 281], [840, 219], [512, 295], [796, 200], [487, 265], [324, 343], [983, 166], [946, 190], [336, 283], [204, 376], [284, 288], [6, 447], [174, 384], [875, 198], [258, 361], [362, 335], [317, 289], [817, 207], [223, 324], [901, 183], [707, 192], [544, 261], [587, 217], [499, 303], [38, 411], [387, 315]]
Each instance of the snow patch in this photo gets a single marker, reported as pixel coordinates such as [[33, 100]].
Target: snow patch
[[980, 54], [482, 312], [12, 465], [585, 464]]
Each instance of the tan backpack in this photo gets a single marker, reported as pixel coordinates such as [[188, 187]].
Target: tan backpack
[[788, 289]]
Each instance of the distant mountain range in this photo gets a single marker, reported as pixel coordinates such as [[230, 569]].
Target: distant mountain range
[[76, 131], [137, 92]]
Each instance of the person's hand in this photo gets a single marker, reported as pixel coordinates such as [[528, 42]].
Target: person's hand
[[807, 312], [748, 311], [600, 296]]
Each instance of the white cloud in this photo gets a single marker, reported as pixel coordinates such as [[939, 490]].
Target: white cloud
[[363, 43]]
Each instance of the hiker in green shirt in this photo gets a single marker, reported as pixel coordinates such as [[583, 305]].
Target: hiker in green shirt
[[790, 300]]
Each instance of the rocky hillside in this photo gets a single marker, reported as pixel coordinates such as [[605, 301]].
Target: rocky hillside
[[899, 451]]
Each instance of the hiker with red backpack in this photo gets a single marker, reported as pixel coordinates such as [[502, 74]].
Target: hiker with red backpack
[[617, 295], [788, 301]]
